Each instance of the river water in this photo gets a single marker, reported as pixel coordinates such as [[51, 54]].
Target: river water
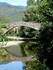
[[11, 65], [20, 50]]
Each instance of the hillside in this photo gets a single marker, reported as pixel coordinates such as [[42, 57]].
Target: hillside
[[11, 12]]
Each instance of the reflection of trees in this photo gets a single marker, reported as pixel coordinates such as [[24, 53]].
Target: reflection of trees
[[29, 47], [27, 32]]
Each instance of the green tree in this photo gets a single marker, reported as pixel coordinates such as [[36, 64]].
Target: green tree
[[26, 32], [46, 34], [38, 1], [30, 2], [30, 13], [21, 31], [43, 14]]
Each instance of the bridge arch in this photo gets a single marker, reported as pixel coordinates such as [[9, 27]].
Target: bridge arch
[[35, 26]]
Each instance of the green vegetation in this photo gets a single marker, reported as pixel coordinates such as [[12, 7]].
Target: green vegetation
[[11, 13], [3, 20], [41, 12], [26, 32], [30, 2], [30, 13]]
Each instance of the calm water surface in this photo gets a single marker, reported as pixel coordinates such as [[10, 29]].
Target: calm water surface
[[18, 51], [13, 65]]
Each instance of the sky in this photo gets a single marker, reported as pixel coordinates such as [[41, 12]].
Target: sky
[[16, 2]]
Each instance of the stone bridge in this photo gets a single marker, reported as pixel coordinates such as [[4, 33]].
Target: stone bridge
[[35, 26]]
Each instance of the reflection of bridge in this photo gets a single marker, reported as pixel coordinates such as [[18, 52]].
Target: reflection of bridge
[[35, 26]]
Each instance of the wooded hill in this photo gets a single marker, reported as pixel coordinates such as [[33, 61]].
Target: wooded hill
[[11, 12]]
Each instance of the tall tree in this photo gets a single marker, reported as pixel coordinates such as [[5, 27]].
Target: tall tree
[[40, 1], [30, 2]]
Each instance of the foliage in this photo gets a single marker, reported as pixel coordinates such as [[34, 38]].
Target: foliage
[[36, 65], [30, 13], [11, 32], [27, 32], [47, 13], [31, 65], [30, 2], [11, 14], [34, 13], [46, 34], [43, 66], [43, 14], [39, 12], [46, 45], [21, 31], [2, 25], [41, 2], [1, 31], [4, 19]]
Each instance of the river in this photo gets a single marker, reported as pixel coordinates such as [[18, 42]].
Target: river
[[18, 51]]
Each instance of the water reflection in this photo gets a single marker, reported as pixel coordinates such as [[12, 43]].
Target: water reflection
[[29, 47], [11, 65], [15, 50], [24, 49]]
